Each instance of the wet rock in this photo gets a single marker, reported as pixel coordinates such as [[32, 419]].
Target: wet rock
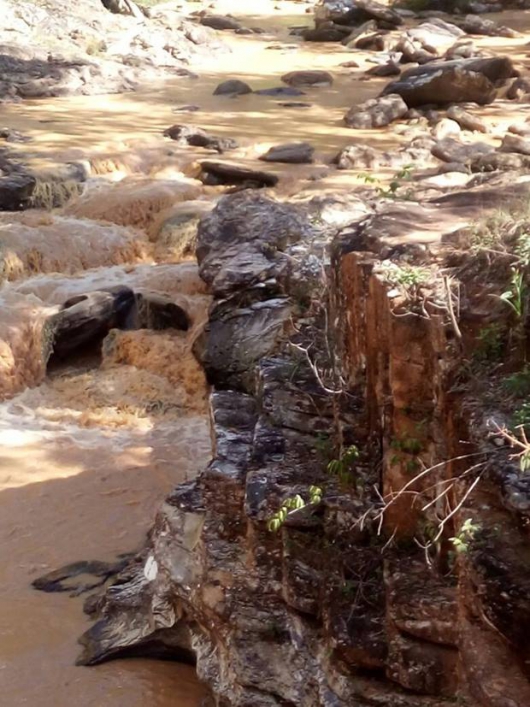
[[220, 22], [231, 173], [234, 340], [518, 89], [358, 156], [451, 150], [192, 135], [466, 120], [85, 319], [441, 83], [515, 143], [293, 153], [333, 33], [355, 12], [389, 69], [294, 104], [16, 191], [158, 312], [232, 87], [279, 91], [240, 243], [308, 78], [473, 24], [56, 581], [376, 112], [123, 7], [188, 108], [10, 135]]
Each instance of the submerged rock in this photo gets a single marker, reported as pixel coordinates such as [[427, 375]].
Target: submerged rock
[[221, 22], [279, 91], [233, 87], [308, 78]]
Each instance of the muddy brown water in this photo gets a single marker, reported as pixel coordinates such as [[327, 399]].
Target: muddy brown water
[[88, 454]]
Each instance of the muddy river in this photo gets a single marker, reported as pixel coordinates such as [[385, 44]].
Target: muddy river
[[88, 452]]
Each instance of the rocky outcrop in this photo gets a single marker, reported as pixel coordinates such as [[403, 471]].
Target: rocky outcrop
[[340, 606], [49, 49]]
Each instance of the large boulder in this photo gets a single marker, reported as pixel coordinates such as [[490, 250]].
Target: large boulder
[[376, 112], [442, 83], [355, 12], [241, 242]]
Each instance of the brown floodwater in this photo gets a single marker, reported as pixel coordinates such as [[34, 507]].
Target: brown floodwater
[[88, 452]]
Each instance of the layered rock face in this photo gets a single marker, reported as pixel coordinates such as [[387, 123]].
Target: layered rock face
[[357, 598]]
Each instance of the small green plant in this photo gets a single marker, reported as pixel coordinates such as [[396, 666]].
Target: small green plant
[[465, 535], [406, 446], [515, 297], [324, 446], [518, 384], [522, 249], [393, 190], [409, 445], [521, 416], [490, 343], [293, 503], [410, 277], [342, 468]]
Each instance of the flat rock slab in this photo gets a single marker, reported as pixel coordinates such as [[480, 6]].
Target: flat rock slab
[[294, 104], [230, 173], [279, 91], [293, 153], [308, 78], [220, 22]]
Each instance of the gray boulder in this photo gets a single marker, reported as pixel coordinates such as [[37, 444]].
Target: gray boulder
[[240, 243], [376, 112]]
